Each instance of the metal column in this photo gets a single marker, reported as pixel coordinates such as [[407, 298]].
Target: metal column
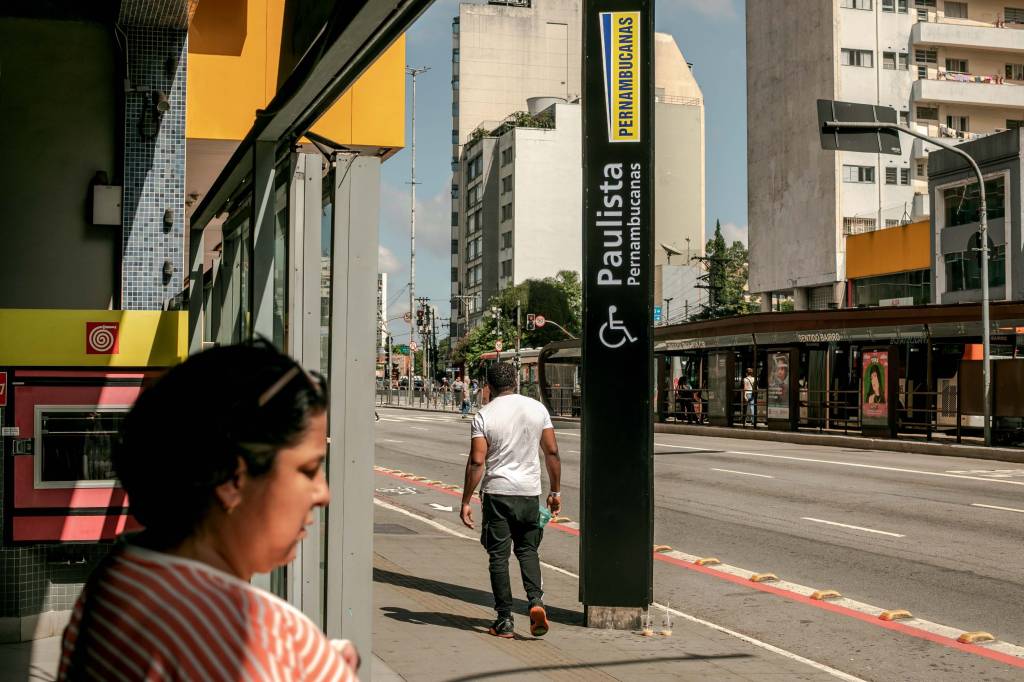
[[349, 593], [196, 294], [264, 216]]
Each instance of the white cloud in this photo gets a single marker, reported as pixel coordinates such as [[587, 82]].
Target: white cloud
[[386, 260], [733, 232], [714, 9]]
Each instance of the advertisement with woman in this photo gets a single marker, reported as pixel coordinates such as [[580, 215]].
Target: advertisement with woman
[[778, 385], [874, 381]]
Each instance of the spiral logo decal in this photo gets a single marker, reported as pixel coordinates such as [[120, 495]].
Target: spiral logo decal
[[101, 338]]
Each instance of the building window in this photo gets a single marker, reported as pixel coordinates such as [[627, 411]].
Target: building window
[[927, 113], [922, 169], [506, 240], [473, 197], [506, 212], [1014, 123], [858, 174], [888, 5], [903, 61], [890, 175], [922, 56], [455, 247], [1013, 15], [858, 225], [850, 57], [75, 444], [506, 184], [455, 218], [963, 203], [925, 3], [455, 55], [506, 156], [455, 274], [959, 123], [871, 291], [889, 61], [474, 222], [963, 269], [1015, 72], [922, 72], [956, 66], [855, 4], [506, 268], [455, 191], [955, 10], [901, 6], [905, 118], [475, 167], [904, 176]]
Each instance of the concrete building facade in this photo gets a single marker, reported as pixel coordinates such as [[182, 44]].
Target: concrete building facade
[[951, 71]]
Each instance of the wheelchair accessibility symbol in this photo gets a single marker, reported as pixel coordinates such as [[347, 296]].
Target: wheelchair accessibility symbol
[[615, 330]]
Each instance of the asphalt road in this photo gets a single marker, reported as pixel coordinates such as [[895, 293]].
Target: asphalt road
[[938, 536]]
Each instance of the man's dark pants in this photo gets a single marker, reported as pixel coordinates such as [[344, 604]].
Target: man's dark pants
[[512, 521]]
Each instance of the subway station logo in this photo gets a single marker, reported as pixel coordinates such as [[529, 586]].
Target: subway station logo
[[620, 46], [102, 338]]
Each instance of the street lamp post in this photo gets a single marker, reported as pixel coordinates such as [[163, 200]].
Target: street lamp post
[[414, 72], [986, 374]]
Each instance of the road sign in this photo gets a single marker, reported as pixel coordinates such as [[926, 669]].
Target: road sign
[[539, 321], [857, 139], [407, 317], [617, 472], [414, 346], [497, 345], [657, 313]]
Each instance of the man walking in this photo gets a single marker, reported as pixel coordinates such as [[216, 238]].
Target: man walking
[[750, 398], [505, 438]]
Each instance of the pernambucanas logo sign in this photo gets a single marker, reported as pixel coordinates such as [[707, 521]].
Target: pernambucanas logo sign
[[620, 49], [101, 338]]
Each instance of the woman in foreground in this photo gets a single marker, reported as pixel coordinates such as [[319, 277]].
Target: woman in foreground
[[222, 460]]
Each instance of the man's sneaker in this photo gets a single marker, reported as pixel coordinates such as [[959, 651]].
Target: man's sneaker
[[503, 627], [538, 621]]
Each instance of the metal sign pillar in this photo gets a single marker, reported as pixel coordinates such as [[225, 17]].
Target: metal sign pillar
[[618, 205]]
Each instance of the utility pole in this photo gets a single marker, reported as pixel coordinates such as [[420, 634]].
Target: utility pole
[[667, 301], [414, 72], [519, 336]]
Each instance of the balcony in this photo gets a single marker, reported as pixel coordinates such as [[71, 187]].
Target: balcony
[[968, 89], [992, 38]]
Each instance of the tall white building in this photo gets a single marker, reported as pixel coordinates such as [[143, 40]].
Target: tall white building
[[517, 187], [949, 68]]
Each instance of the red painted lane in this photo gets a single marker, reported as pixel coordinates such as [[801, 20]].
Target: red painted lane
[[792, 596]]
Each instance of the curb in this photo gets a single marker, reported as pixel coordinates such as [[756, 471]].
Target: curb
[[830, 440]]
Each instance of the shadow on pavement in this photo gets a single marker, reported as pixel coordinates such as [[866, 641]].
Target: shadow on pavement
[[597, 664], [470, 595], [448, 620]]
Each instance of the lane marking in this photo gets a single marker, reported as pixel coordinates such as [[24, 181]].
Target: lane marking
[[419, 428], [992, 506], [742, 473], [846, 525], [874, 466], [390, 440], [680, 447], [838, 674], [943, 635]]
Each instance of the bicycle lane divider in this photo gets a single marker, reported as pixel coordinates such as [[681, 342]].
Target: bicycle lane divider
[[943, 635]]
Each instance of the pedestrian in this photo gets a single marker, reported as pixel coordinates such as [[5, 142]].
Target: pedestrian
[[506, 438], [222, 459], [474, 392], [459, 393], [446, 393], [684, 393], [750, 397]]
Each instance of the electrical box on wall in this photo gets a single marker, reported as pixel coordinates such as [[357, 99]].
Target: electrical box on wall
[[106, 205]]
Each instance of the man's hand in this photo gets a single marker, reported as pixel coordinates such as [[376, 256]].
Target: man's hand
[[467, 514], [348, 653], [555, 504]]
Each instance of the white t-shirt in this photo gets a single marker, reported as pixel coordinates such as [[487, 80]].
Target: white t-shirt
[[748, 387], [512, 425]]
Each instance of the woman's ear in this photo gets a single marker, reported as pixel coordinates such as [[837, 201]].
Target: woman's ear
[[229, 493]]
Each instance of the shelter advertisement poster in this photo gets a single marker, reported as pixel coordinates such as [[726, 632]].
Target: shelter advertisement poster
[[778, 385], [874, 382]]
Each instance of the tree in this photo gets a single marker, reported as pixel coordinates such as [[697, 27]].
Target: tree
[[727, 271]]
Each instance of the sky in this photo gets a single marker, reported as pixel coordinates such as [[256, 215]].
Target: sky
[[710, 34]]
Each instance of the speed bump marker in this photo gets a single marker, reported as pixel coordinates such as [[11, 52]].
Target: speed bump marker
[[662, 548], [821, 595], [451, 486], [763, 577], [707, 561], [895, 614], [975, 637], [560, 519]]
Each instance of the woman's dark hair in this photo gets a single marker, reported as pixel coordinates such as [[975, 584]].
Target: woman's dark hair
[[185, 433], [869, 389]]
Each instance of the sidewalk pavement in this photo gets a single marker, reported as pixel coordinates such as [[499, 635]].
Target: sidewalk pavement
[[433, 607]]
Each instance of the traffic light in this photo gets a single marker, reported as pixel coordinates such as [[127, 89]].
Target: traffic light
[[530, 322], [419, 318]]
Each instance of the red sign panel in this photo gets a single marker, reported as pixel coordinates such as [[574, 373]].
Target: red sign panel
[[3, 389], [875, 378], [101, 338]]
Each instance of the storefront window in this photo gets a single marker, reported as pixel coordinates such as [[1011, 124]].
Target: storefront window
[[74, 444], [872, 291]]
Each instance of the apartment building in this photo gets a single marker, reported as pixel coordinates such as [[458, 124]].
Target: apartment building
[[951, 69], [516, 178]]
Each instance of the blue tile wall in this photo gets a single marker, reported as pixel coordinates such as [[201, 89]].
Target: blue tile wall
[[154, 168]]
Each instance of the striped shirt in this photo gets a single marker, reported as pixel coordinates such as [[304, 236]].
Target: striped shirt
[[153, 616]]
